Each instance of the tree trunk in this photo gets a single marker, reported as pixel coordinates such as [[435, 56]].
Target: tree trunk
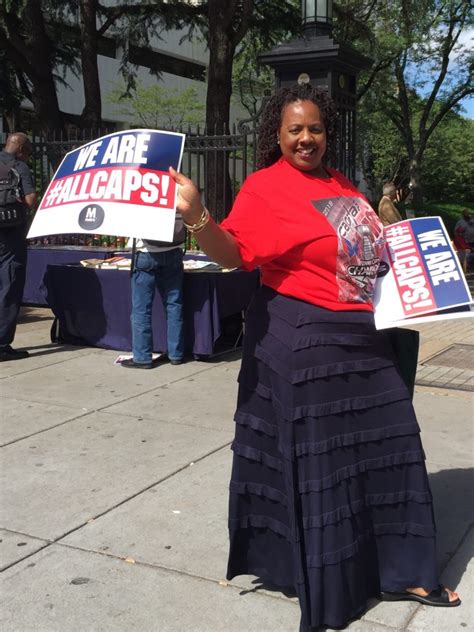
[[221, 53], [43, 93], [46, 107], [415, 184], [11, 119], [92, 112], [219, 90], [218, 185]]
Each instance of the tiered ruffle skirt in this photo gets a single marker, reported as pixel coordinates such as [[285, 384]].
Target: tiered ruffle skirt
[[329, 493]]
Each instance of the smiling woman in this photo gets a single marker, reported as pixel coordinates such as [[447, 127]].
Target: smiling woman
[[282, 105], [302, 137], [329, 493]]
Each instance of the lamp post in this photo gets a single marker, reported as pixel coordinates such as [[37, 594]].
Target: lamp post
[[318, 58], [316, 16]]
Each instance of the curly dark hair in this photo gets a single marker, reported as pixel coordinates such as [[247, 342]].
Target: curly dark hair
[[268, 150]]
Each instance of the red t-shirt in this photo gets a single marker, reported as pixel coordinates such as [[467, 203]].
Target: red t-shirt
[[315, 239]]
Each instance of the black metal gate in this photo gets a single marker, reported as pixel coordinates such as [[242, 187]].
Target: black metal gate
[[218, 163], [207, 158]]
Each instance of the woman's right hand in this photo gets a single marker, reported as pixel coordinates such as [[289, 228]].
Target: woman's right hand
[[219, 244], [189, 198]]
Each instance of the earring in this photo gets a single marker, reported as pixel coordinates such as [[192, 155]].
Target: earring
[[278, 140]]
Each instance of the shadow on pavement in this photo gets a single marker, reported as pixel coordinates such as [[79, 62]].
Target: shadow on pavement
[[452, 499], [51, 348], [262, 584], [33, 315]]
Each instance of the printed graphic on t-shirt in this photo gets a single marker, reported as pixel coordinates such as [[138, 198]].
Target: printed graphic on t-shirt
[[360, 237]]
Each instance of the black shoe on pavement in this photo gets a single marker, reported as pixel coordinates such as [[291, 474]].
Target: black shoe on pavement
[[175, 361], [131, 364], [7, 353]]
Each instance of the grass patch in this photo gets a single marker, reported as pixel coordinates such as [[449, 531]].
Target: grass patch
[[449, 212]]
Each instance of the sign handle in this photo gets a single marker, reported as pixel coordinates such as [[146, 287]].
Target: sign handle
[[134, 253]]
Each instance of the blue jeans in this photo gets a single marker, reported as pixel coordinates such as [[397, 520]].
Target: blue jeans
[[163, 270]]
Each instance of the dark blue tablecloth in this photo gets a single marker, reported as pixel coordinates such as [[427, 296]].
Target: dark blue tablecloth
[[93, 306], [39, 257]]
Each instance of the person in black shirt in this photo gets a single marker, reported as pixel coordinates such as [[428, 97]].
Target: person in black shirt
[[13, 247]]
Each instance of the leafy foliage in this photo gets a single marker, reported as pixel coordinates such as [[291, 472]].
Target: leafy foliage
[[449, 161], [33, 37], [251, 81], [414, 43], [156, 107], [449, 212], [10, 94]]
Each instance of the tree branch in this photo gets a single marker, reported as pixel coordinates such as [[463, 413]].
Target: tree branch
[[169, 13], [16, 52], [403, 92], [25, 88], [382, 65], [247, 11], [467, 90], [448, 45]]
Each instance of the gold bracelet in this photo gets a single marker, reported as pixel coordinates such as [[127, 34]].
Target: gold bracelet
[[200, 224]]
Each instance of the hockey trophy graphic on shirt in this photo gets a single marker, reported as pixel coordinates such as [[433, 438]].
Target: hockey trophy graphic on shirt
[[367, 248], [360, 237], [367, 268]]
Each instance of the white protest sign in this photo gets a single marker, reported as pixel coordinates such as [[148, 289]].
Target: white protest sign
[[116, 185], [423, 280]]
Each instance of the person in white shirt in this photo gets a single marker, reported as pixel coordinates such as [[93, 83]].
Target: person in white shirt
[[157, 265]]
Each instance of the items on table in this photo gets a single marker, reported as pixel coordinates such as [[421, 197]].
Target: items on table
[[80, 239]]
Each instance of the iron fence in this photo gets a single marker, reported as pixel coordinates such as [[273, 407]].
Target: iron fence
[[218, 164], [203, 157]]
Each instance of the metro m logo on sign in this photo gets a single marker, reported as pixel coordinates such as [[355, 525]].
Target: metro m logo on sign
[[91, 217], [116, 185]]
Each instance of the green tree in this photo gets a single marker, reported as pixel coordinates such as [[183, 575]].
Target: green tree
[[227, 25], [251, 80], [156, 107], [414, 44], [239, 30], [448, 162], [381, 154], [10, 94], [88, 15], [41, 39], [448, 165], [38, 52], [130, 24]]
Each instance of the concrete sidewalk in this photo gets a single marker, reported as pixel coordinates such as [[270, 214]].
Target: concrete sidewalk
[[114, 493]]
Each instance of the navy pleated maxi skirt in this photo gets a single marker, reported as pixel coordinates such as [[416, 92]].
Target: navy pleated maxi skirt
[[329, 493]]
